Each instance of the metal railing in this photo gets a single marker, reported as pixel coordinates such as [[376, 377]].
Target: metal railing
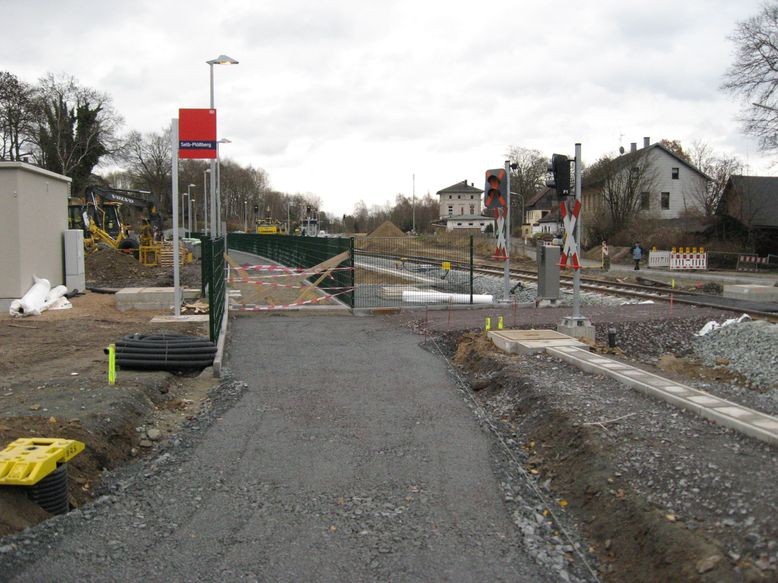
[[305, 252], [213, 281]]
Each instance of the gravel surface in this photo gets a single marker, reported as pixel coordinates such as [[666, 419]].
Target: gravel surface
[[349, 456], [749, 348], [661, 493]]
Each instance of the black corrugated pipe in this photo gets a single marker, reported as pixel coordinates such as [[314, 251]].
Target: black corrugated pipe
[[164, 351]]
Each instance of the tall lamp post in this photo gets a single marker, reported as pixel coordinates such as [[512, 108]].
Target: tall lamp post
[[245, 216], [219, 185], [220, 60], [205, 199], [188, 194]]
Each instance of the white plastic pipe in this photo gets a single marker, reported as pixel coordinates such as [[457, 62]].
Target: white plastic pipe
[[433, 297]]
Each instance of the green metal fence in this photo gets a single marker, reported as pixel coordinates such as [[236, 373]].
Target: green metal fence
[[213, 281], [388, 266], [304, 252]]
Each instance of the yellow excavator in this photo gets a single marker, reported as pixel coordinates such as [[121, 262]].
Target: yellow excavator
[[99, 215]]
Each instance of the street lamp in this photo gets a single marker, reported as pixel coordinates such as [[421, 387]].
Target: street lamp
[[245, 216], [220, 60], [188, 194], [219, 183], [205, 199]]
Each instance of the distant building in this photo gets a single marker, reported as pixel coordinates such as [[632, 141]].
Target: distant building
[[671, 187], [461, 206], [541, 214], [749, 207]]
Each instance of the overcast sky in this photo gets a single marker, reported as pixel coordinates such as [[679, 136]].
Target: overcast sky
[[347, 99]]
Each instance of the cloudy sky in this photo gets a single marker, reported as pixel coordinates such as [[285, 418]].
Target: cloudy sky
[[347, 99]]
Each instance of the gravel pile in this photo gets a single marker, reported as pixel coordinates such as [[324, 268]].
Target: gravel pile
[[749, 348]]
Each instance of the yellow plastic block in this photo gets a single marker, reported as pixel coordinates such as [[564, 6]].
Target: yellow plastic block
[[28, 460]]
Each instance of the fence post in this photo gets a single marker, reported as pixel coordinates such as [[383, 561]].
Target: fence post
[[352, 271], [471, 269]]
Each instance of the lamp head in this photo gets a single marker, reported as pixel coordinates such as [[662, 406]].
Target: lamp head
[[222, 60]]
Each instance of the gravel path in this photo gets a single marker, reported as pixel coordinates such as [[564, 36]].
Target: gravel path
[[349, 457]]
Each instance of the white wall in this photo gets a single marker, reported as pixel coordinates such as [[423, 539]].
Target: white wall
[[460, 204], [681, 190], [33, 218]]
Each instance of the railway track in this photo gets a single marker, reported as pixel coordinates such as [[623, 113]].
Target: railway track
[[603, 286], [640, 291]]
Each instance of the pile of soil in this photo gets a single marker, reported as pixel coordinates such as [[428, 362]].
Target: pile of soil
[[387, 229], [110, 268]]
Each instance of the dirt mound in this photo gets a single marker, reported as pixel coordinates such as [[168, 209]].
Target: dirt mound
[[114, 269], [387, 229]]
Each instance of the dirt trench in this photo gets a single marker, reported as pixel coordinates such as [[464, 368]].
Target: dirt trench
[[632, 539]]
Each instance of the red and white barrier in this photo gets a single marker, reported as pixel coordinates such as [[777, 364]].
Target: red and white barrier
[[688, 261], [751, 262], [659, 259]]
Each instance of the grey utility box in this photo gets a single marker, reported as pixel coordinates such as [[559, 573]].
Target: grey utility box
[[548, 272], [33, 216], [75, 274]]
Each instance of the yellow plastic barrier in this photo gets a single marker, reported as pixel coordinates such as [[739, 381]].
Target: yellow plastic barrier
[[28, 460]]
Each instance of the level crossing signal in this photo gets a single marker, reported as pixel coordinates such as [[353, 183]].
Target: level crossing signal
[[559, 168], [496, 189]]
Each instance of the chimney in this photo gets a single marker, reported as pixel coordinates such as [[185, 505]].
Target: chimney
[[472, 184], [646, 142], [633, 147]]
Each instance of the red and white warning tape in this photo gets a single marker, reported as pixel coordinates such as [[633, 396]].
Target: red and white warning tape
[[274, 284], [255, 308], [285, 269]]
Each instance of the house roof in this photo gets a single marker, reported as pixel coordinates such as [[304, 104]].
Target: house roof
[[460, 188], [761, 192], [538, 196], [624, 158]]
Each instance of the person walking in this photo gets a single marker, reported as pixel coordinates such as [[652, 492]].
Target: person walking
[[606, 258], [637, 255]]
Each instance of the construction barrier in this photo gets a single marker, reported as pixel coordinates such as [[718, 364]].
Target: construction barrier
[[659, 258], [688, 261], [751, 262]]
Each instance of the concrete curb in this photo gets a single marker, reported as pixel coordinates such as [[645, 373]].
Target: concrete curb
[[747, 421], [217, 360]]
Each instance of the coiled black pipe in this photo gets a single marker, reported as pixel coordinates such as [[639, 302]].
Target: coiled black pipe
[[164, 351], [51, 493]]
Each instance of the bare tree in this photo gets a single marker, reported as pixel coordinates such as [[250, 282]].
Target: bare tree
[[621, 182], [528, 177], [719, 168], [75, 128], [753, 76], [148, 159], [17, 116]]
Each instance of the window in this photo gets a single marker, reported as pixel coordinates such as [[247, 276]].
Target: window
[[459, 196], [472, 209], [674, 173], [469, 224], [472, 196], [665, 201], [645, 201], [450, 210], [459, 224], [634, 174]]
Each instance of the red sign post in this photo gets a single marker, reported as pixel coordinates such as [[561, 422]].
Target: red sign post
[[197, 133]]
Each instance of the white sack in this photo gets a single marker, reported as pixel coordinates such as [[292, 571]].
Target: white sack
[[32, 303]]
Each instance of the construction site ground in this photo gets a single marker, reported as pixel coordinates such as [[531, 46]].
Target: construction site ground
[[54, 383], [386, 448]]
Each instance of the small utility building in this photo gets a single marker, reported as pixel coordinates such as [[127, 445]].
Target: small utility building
[[33, 218]]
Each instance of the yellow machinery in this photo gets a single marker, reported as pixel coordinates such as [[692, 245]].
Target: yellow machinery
[[268, 226], [99, 215]]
